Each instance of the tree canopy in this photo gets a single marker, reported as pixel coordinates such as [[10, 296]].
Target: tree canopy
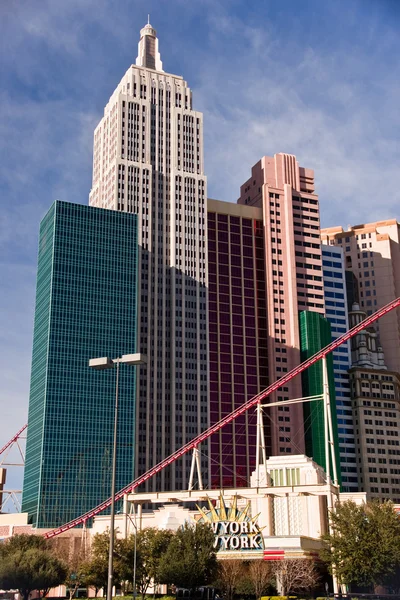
[[26, 565], [364, 544], [230, 574], [96, 567], [72, 551], [190, 560], [260, 576], [151, 544], [295, 575]]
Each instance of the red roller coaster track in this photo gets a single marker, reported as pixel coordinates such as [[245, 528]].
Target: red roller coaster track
[[231, 417], [13, 439]]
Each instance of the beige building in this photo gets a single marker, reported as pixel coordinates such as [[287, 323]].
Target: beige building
[[375, 393], [372, 254], [13, 524]]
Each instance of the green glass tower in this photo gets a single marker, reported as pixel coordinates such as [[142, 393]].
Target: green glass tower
[[85, 308], [315, 334]]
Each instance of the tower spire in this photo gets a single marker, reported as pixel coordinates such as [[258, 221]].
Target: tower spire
[[148, 54]]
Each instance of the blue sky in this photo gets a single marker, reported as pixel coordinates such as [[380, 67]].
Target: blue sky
[[319, 79]]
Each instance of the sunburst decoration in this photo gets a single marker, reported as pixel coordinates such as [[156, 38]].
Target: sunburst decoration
[[232, 514]]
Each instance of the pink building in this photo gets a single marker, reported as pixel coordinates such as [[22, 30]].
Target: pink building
[[293, 275]]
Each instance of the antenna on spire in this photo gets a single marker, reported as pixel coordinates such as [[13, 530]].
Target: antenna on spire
[[148, 19]]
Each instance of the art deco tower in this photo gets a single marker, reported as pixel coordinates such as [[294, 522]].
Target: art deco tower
[[148, 160]]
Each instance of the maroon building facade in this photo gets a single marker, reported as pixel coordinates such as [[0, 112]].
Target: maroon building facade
[[237, 335]]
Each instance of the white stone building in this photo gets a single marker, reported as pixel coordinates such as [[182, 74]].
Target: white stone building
[[148, 160], [288, 507]]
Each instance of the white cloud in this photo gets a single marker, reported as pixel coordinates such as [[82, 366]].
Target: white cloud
[[43, 160], [318, 107]]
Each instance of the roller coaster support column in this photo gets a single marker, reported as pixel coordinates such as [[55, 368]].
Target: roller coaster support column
[[195, 464], [260, 444], [329, 455]]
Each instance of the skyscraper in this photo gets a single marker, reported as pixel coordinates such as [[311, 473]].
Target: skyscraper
[[372, 255], [315, 334], [375, 392], [237, 336], [337, 315], [85, 308], [293, 275], [148, 160]]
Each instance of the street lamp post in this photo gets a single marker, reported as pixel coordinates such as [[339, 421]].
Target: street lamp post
[[101, 364], [134, 554], [134, 563], [126, 515]]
